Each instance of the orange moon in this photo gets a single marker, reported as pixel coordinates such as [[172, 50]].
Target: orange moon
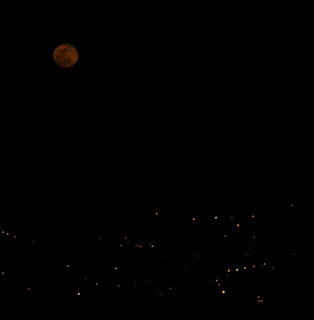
[[65, 55]]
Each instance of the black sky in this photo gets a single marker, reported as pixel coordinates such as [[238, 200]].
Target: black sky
[[166, 108]]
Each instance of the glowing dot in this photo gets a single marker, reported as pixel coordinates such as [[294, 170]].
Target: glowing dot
[[2, 231], [193, 219], [253, 266], [238, 225], [7, 233], [253, 216], [78, 293], [229, 270], [14, 237], [216, 280], [116, 268], [156, 213], [28, 289], [218, 284], [118, 286], [244, 268], [237, 269], [216, 218], [264, 264], [120, 245], [223, 291], [68, 266]]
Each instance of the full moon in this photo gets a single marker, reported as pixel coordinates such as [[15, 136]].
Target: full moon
[[65, 55]]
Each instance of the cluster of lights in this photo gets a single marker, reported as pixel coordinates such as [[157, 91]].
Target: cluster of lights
[[152, 245]]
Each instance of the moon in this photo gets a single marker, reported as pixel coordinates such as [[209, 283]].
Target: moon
[[65, 55]]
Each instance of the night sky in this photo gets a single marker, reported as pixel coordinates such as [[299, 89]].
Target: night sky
[[114, 169]]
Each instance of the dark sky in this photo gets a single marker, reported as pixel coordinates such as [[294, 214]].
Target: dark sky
[[167, 107]]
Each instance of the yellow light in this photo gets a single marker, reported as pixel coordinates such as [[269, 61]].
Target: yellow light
[[216, 218], [218, 284], [264, 264], [223, 291], [2, 231], [292, 205], [140, 246], [68, 266], [237, 269], [244, 268], [193, 219], [228, 270], [120, 245], [253, 266], [152, 246], [294, 254], [258, 297], [118, 286], [78, 294], [238, 225], [253, 216], [216, 280], [115, 268], [156, 213], [258, 300], [262, 300], [7, 233]]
